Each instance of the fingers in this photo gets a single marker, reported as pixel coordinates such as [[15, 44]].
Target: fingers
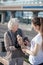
[[19, 39]]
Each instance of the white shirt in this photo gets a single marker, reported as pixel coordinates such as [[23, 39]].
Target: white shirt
[[38, 59]]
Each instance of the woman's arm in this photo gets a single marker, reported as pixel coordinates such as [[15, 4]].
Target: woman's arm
[[8, 43], [33, 52]]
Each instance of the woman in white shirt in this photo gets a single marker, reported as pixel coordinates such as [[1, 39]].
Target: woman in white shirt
[[36, 50]]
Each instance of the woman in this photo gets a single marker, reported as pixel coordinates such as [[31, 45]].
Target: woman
[[36, 50], [14, 53]]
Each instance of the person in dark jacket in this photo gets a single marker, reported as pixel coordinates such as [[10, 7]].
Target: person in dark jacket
[[14, 52]]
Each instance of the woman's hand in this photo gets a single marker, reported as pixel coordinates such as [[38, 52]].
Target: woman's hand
[[12, 48], [20, 40]]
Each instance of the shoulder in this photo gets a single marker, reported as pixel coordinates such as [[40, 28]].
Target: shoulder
[[6, 34], [37, 38]]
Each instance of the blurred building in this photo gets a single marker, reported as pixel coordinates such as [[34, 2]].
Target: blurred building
[[24, 15]]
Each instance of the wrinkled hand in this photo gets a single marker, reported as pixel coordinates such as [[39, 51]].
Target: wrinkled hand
[[12, 48], [20, 40]]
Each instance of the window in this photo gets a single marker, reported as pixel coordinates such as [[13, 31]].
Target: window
[[24, 16], [40, 14]]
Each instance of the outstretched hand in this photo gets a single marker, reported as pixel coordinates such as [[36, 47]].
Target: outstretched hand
[[21, 42]]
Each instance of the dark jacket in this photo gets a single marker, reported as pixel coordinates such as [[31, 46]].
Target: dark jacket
[[11, 40]]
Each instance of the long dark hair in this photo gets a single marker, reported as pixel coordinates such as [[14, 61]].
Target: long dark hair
[[41, 29], [39, 21]]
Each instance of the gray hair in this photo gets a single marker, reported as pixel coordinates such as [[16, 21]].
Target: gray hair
[[12, 22]]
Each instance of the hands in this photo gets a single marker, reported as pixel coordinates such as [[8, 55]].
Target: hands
[[12, 48], [27, 42], [20, 40]]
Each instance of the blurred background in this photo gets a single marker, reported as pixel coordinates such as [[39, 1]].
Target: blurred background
[[24, 10]]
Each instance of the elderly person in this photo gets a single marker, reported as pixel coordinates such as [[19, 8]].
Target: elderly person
[[14, 52]]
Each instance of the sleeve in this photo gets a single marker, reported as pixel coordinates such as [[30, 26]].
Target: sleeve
[[38, 40], [32, 44], [35, 41], [8, 43]]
